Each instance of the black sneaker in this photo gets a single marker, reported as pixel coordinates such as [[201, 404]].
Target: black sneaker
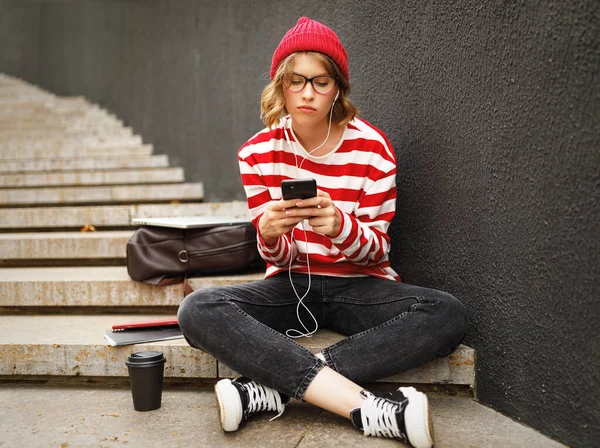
[[239, 399], [402, 414]]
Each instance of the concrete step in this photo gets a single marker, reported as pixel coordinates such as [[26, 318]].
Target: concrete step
[[59, 125], [88, 163], [95, 177], [64, 246], [102, 194], [95, 287], [33, 98], [19, 131], [45, 116], [110, 215], [39, 101], [72, 150], [53, 111], [117, 135], [33, 148], [36, 415], [68, 345], [93, 121], [46, 113]]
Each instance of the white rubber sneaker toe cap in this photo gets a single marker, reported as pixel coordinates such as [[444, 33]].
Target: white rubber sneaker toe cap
[[417, 418], [229, 405]]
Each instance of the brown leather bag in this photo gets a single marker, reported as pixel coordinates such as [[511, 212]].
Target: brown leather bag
[[162, 255]]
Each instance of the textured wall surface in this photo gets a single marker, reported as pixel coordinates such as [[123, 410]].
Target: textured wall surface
[[493, 110]]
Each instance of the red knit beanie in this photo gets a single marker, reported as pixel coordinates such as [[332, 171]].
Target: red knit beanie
[[310, 35]]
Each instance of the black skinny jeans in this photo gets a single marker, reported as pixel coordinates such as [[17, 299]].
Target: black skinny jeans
[[391, 327]]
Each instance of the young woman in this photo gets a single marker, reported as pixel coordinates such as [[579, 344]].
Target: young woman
[[327, 262]]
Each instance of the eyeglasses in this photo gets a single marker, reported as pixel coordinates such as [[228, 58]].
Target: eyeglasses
[[320, 84]]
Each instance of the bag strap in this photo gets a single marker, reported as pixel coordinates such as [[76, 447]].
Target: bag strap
[[166, 281], [187, 288]]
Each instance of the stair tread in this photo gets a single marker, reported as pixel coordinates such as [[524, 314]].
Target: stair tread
[[64, 245], [64, 235], [74, 345], [67, 329], [111, 215], [72, 150], [101, 194], [92, 177], [99, 273], [68, 142], [98, 162], [96, 286], [64, 274]]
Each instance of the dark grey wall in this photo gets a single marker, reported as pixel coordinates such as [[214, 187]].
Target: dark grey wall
[[493, 109]]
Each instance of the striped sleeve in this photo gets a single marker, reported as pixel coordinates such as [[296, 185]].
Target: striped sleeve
[[259, 196], [363, 238], [280, 253]]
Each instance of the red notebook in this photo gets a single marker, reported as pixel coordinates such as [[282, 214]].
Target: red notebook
[[146, 324], [143, 332]]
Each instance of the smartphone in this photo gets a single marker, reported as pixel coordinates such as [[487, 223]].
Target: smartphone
[[298, 188]]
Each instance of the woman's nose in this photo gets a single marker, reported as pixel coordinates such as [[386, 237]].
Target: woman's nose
[[308, 92]]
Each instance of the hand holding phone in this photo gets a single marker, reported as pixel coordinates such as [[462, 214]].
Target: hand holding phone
[[298, 189], [323, 215]]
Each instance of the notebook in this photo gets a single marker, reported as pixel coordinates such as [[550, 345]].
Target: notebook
[[141, 332], [142, 335], [145, 324], [190, 222]]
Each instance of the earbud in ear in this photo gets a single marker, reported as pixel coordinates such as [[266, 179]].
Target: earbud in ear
[[336, 96]]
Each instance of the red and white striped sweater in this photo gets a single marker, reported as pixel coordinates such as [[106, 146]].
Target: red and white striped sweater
[[359, 175]]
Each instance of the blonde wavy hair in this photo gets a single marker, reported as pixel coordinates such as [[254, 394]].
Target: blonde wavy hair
[[272, 102]]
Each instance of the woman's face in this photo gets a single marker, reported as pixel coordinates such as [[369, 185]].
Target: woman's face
[[307, 106]]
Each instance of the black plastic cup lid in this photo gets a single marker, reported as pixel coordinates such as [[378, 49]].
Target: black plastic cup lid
[[145, 357]]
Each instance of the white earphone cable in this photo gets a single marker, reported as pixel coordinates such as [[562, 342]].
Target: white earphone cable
[[293, 333]]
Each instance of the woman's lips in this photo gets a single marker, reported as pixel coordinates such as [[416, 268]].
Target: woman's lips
[[307, 109]]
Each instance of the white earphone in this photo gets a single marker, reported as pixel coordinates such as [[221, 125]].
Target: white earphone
[[292, 332]]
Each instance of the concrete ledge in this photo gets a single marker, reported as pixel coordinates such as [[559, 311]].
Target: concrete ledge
[[74, 144], [90, 163], [71, 359], [24, 133], [95, 287], [111, 215], [49, 107], [71, 150], [38, 118], [100, 195], [96, 177], [74, 345], [58, 127], [458, 368], [64, 245]]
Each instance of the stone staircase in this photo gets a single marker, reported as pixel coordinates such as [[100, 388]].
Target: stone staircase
[[72, 177]]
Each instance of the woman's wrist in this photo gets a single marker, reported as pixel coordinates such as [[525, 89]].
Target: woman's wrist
[[269, 242], [265, 238], [338, 223]]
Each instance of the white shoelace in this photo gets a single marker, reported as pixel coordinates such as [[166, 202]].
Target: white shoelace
[[262, 398], [378, 417]]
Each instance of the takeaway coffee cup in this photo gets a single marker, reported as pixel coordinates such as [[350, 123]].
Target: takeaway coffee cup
[[146, 371]]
